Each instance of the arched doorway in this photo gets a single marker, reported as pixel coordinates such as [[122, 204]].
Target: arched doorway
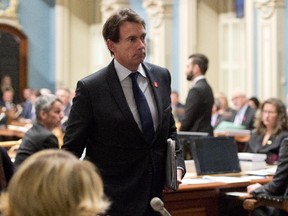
[[13, 57]]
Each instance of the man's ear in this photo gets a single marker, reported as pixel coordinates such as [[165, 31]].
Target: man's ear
[[110, 45], [197, 69], [43, 114]]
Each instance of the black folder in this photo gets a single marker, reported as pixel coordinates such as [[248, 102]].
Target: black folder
[[171, 166]]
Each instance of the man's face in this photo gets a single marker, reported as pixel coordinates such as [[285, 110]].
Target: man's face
[[130, 51], [239, 101], [189, 70], [52, 118], [63, 96]]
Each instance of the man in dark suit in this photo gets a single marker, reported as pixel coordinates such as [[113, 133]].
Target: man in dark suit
[[200, 98], [244, 114], [49, 115], [105, 120]]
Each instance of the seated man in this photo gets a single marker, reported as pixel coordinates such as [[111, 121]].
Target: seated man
[[244, 114], [49, 114]]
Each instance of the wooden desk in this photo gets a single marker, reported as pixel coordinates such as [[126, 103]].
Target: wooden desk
[[203, 199], [5, 132]]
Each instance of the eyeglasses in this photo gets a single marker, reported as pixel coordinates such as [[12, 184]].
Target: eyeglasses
[[268, 112]]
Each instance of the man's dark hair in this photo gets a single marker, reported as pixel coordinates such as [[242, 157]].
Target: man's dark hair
[[111, 28], [201, 60]]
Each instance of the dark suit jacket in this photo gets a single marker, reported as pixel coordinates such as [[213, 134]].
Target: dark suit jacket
[[279, 185], [36, 139], [255, 144], [248, 120], [100, 120], [198, 108], [27, 109]]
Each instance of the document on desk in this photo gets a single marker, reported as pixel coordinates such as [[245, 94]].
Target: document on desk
[[226, 179], [263, 172], [191, 181]]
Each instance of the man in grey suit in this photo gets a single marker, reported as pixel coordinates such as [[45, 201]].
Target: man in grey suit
[[106, 120], [200, 99]]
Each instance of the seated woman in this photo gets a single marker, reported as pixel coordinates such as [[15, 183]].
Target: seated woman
[[277, 187], [54, 182], [271, 127], [49, 113]]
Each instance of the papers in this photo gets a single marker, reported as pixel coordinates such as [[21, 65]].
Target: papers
[[187, 181], [252, 165], [226, 179], [223, 179], [263, 172], [245, 156]]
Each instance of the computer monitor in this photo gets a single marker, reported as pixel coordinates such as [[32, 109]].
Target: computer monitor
[[215, 155], [185, 139]]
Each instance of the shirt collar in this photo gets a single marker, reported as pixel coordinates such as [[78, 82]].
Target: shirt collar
[[198, 78], [123, 72]]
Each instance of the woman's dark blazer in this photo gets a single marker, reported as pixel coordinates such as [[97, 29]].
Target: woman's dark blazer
[[100, 120], [272, 148]]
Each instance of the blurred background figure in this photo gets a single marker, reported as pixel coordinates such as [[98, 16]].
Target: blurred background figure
[[65, 96], [178, 108], [245, 114], [225, 110], [216, 117], [28, 113], [7, 99], [54, 182], [271, 129], [200, 99], [254, 103], [45, 91], [49, 114], [9, 108], [6, 82]]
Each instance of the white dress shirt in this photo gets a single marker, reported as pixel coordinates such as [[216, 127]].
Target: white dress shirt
[[143, 82]]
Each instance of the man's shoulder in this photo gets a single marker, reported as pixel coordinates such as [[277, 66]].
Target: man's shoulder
[[150, 66]]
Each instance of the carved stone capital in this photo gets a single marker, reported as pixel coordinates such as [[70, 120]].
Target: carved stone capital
[[157, 10], [9, 15], [108, 7], [268, 7], [10, 11]]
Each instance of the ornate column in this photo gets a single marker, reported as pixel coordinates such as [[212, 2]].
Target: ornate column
[[108, 7], [188, 14], [160, 32], [62, 43], [270, 28]]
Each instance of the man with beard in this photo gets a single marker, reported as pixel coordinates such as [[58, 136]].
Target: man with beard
[[200, 99], [124, 137]]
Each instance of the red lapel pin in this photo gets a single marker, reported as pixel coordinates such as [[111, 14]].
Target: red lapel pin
[[156, 84]]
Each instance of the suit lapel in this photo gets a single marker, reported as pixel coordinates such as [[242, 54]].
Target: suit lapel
[[118, 95], [154, 82]]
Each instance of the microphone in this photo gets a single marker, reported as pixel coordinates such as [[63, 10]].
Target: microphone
[[158, 206]]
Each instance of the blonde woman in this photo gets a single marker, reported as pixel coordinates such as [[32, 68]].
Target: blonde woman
[[54, 183]]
